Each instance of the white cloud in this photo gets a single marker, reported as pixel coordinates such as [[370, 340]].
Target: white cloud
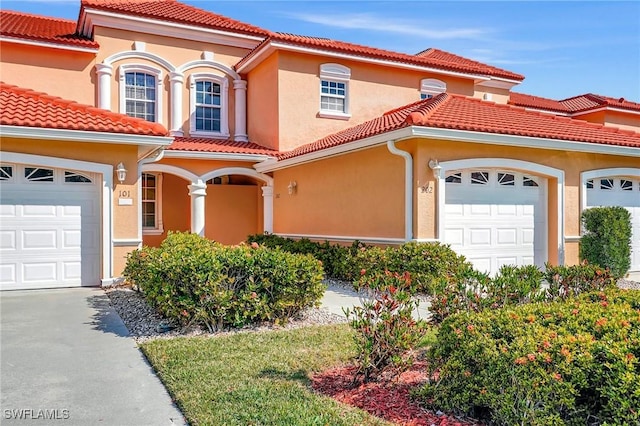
[[370, 22]]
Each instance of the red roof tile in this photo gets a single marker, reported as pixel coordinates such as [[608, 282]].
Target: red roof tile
[[222, 146], [174, 11], [42, 28], [25, 107], [432, 58], [580, 103], [457, 112], [536, 102]]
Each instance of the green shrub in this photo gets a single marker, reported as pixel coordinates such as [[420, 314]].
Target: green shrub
[[385, 330], [575, 361], [607, 238], [193, 280], [335, 258], [428, 263], [473, 291]]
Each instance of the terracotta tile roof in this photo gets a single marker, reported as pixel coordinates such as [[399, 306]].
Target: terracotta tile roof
[[447, 111], [25, 107], [537, 102], [580, 103], [174, 11], [222, 146], [42, 28], [432, 58]]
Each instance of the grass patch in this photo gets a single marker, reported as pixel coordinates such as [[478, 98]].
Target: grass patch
[[256, 378]]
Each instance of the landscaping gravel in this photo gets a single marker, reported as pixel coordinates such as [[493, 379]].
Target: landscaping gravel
[[144, 323]]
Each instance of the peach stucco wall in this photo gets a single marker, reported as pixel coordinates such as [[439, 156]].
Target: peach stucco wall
[[125, 217], [355, 195], [176, 209], [263, 103], [232, 213], [372, 90], [57, 72]]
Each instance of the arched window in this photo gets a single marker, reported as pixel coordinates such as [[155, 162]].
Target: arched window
[[334, 91], [430, 87]]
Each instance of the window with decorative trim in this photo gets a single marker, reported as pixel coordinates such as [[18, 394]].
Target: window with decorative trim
[[141, 91], [152, 203], [209, 95], [6, 172], [430, 87], [334, 91]]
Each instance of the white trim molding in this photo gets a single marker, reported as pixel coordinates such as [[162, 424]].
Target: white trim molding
[[432, 86], [84, 136], [237, 171], [207, 63], [223, 82], [198, 155], [106, 171], [508, 164], [139, 54], [9, 39]]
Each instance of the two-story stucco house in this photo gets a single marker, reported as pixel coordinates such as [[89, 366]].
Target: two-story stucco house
[[149, 116]]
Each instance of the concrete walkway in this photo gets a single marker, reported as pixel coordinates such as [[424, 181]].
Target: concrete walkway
[[336, 298], [66, 359]]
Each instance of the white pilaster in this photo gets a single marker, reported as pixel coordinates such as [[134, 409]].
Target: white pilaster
[[267, 208], [104, 72], [198, 191], [240, 87], [177, 80]]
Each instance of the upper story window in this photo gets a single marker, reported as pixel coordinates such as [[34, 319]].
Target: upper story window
[[430, 87], [141, 92], [334, 91], [209, 105]]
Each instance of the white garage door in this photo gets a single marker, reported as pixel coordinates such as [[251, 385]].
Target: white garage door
[[624, 192], [496, 218], [49, 228]]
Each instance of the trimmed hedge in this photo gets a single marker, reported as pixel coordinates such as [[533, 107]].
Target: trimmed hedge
[[473, 291], [193, 280], [568, 362], [607, 238]]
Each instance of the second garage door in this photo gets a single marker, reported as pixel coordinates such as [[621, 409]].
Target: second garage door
[[496, 217], [49, 228]]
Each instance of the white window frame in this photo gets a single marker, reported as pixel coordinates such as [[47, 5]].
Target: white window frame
[[339, 74], [430, 87], [224, 104], [147, 69], [158, 229]]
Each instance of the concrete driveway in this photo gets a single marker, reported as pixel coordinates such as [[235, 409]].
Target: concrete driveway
[[66, 358]]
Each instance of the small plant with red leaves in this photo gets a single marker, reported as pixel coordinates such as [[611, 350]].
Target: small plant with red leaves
[[385, 329]]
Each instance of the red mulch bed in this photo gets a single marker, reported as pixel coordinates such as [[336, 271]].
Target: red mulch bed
[[389, 400]]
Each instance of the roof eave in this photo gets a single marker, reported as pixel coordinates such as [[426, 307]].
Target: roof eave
[[451, 135], [228, 156], [254, 58], [67, 135], [48, 44], [91, 17]]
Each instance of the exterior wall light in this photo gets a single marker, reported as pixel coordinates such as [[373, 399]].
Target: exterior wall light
[[436, 167], [121, 172], [292, 187]]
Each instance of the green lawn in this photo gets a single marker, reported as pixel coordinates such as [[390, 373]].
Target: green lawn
[[256, 378]]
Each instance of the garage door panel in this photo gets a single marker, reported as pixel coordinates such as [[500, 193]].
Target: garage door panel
[[499, 224], [49, 234]]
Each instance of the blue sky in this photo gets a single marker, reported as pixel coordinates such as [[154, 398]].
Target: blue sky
[[562, 48]]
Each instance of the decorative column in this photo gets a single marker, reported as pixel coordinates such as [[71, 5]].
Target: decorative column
[[240, 87], [104, 73], [197, 191], [267, 207], [176, 80]]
